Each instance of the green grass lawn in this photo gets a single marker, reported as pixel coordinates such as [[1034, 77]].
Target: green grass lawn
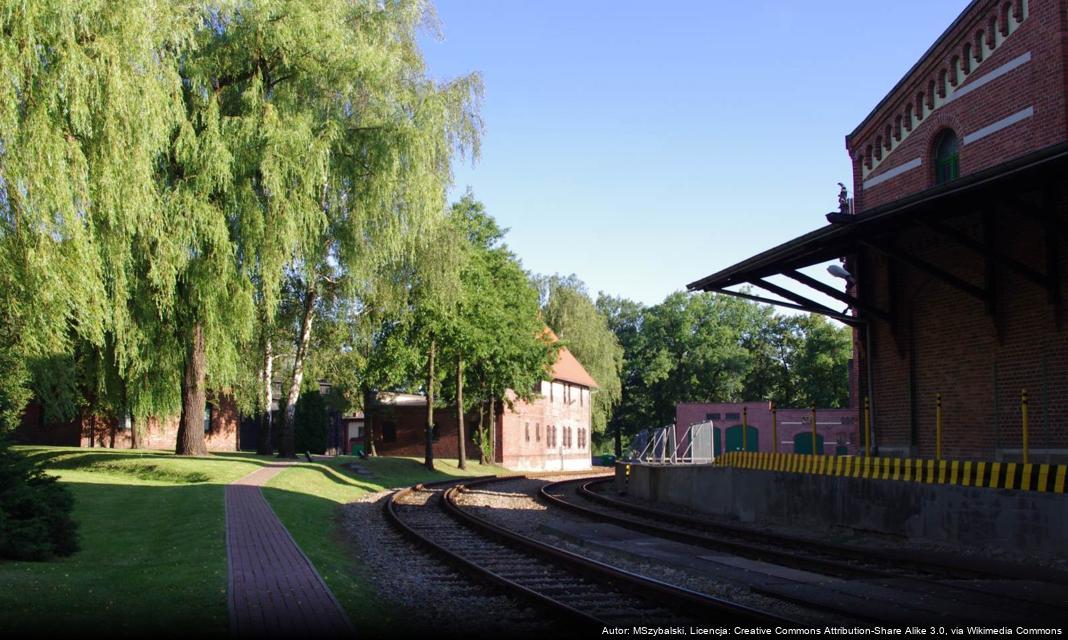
[[153, 553]]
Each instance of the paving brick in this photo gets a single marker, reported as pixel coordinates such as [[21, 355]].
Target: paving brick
[[273, 588]]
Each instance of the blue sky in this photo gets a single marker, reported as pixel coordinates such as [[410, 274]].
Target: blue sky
[[643, 145]]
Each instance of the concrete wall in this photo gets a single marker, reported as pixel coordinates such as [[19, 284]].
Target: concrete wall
[[979, 518]]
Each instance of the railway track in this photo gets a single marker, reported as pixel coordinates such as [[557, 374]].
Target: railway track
[[566, 584], [968, 586]]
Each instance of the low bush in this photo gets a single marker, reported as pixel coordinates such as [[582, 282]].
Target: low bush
[[35, 510]]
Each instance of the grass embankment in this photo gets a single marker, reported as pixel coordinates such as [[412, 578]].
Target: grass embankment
[[153, 550]]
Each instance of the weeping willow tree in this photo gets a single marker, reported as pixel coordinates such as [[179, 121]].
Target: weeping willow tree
[[89, 105], [346, 150], [166, 167]]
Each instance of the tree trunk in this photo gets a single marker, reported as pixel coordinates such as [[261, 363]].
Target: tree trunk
[[460, 436], [619, 440], [266, 446], [428, 460], [135, 434], [493, 429], [483, 436], [368, 423], [191, 426], [287, 448]]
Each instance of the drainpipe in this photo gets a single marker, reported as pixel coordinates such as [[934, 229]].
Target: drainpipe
[[871, 384]]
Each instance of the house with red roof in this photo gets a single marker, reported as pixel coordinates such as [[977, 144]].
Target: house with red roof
[[549, 432]]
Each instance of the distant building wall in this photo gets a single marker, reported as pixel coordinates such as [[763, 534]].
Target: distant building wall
[[549, 433], [91, 430], [839, 428]]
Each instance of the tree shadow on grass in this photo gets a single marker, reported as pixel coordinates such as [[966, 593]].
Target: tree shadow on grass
[[152, 561]]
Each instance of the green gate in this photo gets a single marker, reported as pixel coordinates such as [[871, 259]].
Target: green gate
[[734, 438], [803, 443]]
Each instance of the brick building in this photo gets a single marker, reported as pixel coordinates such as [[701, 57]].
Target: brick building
[[221, 429], [837, 430], [953, 245], [550, 432]]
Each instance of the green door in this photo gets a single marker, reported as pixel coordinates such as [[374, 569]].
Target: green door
[[803, 443], [734, 438], [717, 443]]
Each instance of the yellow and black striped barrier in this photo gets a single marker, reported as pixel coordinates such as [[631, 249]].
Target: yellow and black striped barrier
[[1049, 478]]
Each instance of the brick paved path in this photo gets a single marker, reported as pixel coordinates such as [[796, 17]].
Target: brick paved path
[[273, 589]]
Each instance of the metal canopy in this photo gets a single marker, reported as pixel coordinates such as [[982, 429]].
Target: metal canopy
[[876, 229]]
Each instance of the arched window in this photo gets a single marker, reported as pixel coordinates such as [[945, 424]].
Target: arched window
[[946, 157]]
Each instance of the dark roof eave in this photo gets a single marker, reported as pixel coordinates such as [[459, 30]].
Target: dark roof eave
[[822, 244]]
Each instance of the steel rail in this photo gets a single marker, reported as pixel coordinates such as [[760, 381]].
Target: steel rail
[[463, 563], [667, 594]]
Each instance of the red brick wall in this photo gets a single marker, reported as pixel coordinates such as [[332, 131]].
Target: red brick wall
[[95, 431], [948, 343], [557, 411], [410, 422], [832, 424], [1039, 83], [514, 449]]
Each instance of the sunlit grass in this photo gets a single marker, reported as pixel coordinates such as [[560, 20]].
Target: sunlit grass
[[153, 555], [152, 528]]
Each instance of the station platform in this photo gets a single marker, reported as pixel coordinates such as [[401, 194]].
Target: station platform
[[975, 516]]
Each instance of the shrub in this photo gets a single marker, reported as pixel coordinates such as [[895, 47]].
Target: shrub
[[311, 422], [35, 521]]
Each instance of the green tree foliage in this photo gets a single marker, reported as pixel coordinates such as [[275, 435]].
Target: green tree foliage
[[311, 422], [624, 318], [821, 364], [35, 522], [166, 169], [495, 327], [349, 140], [90, 103], [712, 348], [584, 330]]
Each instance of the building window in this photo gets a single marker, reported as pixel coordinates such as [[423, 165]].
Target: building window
[[207, 418], [734, 416], [947, 157], [526, 431], [537, 431], [711, 416]]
